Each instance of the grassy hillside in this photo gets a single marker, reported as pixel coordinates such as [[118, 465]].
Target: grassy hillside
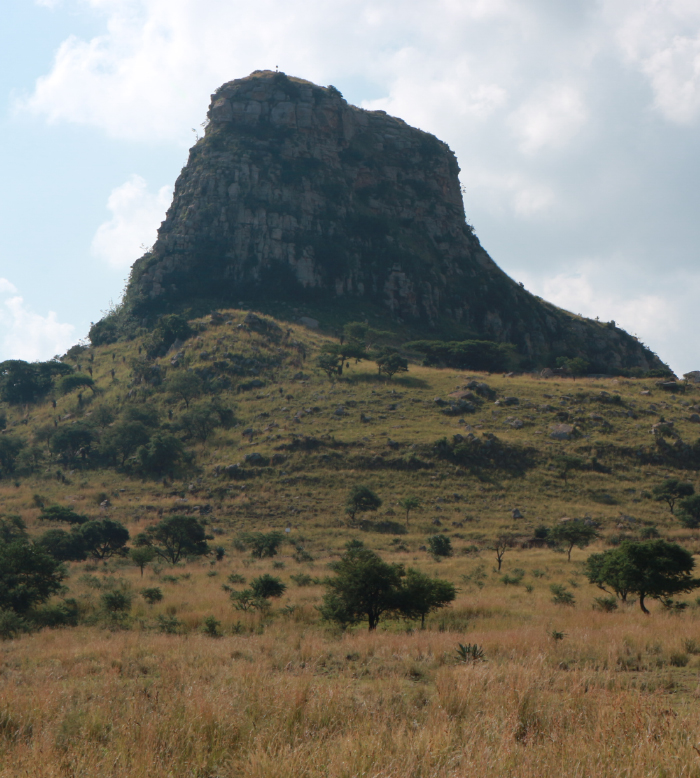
[[563, 689]]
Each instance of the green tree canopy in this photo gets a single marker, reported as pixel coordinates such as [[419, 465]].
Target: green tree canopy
[[689, 508], [162, 454], [10, 449], [572, 533], [104, 538], [409, 503], [73, 381], [421, 594], [389, 362], [175, 537], [27, 382], [29, 575], [360, 500], [364, 587], [64, 546], [672, 490], [652, 568], [184, 385], [266, 586], [62, 513], [263, 544]]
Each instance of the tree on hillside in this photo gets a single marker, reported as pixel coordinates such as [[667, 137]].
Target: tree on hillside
[[389, 362], [572, 533], [64, 546], [360, 500], [364, 587], [175, 537], [29, 575], [672, 490], [162, 454], [409, 503], [27, 382], [266, 586], [104, 538], [421, 595], [185, 385], [10, 448], [123, 440], [141, 556], [652, 568], [62, 513], [689, 509], [72, 441], [263, 544], [500, 545], [70, 383]]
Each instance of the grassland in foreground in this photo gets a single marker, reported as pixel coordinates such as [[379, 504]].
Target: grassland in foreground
[[562, 689]]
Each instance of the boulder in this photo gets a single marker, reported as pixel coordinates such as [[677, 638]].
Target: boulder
[[561, 431], [308, 322]]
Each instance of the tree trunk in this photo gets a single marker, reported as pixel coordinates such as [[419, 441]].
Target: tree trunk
[[641, 603], [570, 550]]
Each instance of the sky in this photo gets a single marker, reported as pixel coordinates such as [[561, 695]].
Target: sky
[[575, 125]]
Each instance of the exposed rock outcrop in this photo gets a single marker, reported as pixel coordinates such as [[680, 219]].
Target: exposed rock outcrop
[[292, 193]]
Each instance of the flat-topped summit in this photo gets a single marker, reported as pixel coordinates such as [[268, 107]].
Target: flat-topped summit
[[293, 194]]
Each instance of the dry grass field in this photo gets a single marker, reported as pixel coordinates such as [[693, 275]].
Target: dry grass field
[[561, 690]]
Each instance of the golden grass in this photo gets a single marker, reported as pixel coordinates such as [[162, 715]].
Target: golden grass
[[285, 695]]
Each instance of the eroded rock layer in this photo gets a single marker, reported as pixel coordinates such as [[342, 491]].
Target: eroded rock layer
[[294, 194]]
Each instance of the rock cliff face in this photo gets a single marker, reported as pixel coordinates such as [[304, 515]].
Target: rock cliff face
[[292, 193]]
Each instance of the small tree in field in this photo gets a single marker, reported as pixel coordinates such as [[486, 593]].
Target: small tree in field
[[364, 587], [408, 504], [391, 362], [572, 533], [672, 490], [440, 546], [175, 537], [500, 545], [421, 595], [104, 538], [263, 544], [361, 499], [652, 568], [141, 556]]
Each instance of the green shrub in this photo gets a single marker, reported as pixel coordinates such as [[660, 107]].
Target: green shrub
[[562, 596], [440, 546], [152, 594]]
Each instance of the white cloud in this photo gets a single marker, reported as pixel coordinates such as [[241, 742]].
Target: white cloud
[[28, 335], [662, 40], [551, 118], [136, 216]]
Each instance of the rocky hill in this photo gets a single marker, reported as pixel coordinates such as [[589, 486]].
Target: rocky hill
[[294, 195]]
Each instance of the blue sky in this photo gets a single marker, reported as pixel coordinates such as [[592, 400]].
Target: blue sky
[[575, 125]]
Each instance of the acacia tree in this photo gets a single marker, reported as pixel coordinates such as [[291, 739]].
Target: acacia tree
[[175, 537], [263, 544], [672, 490], [653, 568], [572, 533], [360, 500], [104, 538], [500, 545]]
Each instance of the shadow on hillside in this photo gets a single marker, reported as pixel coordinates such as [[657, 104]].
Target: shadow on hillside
[[405, 381]]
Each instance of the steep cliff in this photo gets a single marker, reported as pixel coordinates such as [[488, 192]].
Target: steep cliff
[[292, 194]]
